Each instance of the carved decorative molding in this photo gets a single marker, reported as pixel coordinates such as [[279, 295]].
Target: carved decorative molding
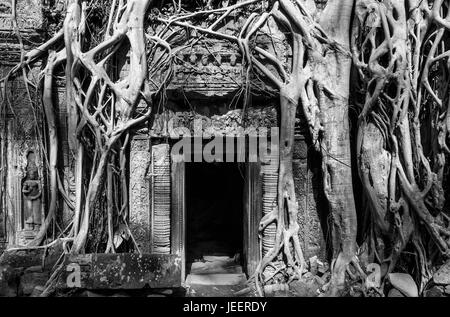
[[161, 199], [234, 122], [213, 67], [215, 70]]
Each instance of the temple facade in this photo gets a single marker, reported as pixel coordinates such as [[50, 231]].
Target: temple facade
[[182, 203]]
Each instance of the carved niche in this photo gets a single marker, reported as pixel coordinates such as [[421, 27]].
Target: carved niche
[[31, 197], [25, 187]]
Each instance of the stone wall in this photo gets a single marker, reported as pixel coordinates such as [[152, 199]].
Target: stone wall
[[30, 21], [23, 127], [22, 146], [25, 272], [311, 201], [22, 159]]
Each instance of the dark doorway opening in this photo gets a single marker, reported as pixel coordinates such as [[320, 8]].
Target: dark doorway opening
[[214, 210]]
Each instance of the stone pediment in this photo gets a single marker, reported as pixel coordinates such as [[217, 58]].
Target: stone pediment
[[213, 70], [206, 66]]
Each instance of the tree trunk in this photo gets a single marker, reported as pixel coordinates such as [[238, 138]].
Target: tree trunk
[[47, 100], [334, 77]]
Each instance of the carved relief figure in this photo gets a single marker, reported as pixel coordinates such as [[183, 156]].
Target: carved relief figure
[[31, 192], [5, 7]]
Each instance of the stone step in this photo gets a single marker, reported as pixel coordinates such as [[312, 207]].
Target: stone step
[[214, 268], [442, 276], [218, 291], [216, 279], [216, 265], [215, 258]]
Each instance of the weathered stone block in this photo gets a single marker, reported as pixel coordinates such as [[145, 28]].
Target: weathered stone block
[[442, 276], [32, 259], [22, 270], [306, 287], [37, 291], [435, 291], [29, 281], [447, 290], [121, 271], [9, 281]]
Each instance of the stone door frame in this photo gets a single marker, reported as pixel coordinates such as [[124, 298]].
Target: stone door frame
[[251, 218]]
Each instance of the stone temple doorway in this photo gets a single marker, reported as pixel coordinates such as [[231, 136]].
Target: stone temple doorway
[[215, 210], [215, 218]]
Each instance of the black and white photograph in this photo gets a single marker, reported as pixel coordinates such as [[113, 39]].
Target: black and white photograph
[[223, 154]]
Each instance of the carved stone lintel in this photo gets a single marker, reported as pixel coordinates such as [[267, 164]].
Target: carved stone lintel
[[232, 123]]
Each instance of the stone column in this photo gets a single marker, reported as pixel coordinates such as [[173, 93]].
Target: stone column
[[140, 191]]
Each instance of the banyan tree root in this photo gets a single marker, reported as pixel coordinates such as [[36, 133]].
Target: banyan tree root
[[318, 82], [47, 101], [120, 97], [394, 51], [104, 107]]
